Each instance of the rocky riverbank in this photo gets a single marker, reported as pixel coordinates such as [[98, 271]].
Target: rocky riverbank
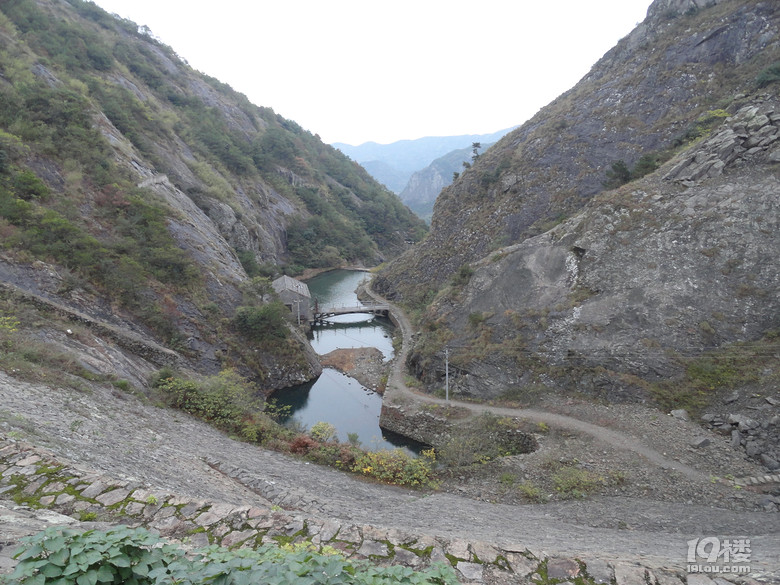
[[365, 364]]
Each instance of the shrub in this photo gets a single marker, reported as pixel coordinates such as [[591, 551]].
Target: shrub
[[462, 276], [327, 454], [275, 411], [323, 432], [192, 398], [28, 186], [644, 166], [262, 324], [226, 400], [769, 75], [302, 444], [397, 467], [249, 262], [619, 174], [160, 376], [459, 451], [476, 319], [703, 125], [262, 430]]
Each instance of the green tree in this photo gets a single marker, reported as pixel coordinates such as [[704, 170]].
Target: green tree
[[618, 175], [475, 146], [264, 323], [28, 186], [644, 166]]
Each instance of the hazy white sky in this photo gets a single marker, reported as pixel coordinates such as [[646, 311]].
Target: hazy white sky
[[359, 70]]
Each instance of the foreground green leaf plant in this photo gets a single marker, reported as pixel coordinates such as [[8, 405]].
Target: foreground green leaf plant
[[135, 556]]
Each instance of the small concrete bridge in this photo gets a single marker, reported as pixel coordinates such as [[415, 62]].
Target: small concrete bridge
[[377, 309]]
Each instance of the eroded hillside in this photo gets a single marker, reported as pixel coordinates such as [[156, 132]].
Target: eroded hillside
[[537, 278], [141, 195]]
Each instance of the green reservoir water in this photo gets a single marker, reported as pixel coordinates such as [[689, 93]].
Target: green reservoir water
[[334, 397]]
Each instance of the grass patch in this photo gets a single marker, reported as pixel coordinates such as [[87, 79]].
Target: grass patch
[[575, 482], [530, 492], [484, 439], [710, 374]]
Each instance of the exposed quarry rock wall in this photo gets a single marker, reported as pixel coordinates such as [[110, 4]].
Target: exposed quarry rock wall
[[421, 426], [681, 262]]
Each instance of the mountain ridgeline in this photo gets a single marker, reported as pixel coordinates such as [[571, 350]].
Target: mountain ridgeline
[[425, 185], [393, 164], [150, 199], [623, 242]]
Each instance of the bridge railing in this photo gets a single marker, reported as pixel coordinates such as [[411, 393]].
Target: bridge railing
[[345, 309]]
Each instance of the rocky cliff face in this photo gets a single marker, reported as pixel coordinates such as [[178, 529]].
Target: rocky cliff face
[[638, 99], [637, 281], [424, 185], [646, 276]]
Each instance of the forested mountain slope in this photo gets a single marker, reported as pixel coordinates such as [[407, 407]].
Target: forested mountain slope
[[542, 272], [143, 193]]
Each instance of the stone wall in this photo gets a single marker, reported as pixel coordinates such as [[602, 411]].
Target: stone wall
[[35, 480], [420, 425]]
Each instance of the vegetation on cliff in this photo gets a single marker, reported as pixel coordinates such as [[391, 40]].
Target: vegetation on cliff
[[151, 190], [556, 261]]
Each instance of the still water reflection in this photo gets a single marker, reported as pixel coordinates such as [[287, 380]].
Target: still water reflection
[[352, 331], [334, 397]]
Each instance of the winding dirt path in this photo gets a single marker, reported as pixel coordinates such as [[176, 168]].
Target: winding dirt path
[[125, 437], [396, 386]]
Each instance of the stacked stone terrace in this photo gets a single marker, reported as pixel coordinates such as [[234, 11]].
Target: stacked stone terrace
[[33, 479]]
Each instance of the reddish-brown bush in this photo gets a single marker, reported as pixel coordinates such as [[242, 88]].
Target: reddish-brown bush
[[302, 444]]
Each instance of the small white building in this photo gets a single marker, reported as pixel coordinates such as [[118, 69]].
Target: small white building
[[295, 295]]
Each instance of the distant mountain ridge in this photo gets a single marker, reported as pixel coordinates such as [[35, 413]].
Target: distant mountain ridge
[[393, 164], [424, 185]]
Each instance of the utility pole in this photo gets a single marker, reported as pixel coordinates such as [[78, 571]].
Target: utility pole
[[298, 306], [447, 374]]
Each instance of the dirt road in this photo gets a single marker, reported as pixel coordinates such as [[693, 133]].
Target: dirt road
[[123, 436]]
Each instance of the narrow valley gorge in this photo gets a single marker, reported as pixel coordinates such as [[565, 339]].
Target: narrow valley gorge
[[585, 341]]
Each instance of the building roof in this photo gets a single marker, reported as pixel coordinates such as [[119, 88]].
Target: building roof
[[287, 283]]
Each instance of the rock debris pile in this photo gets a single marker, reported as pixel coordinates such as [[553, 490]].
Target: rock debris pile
[[753, 425], [750, 134]]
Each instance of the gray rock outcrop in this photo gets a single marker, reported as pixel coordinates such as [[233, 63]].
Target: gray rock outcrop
[[643, 277], [537, 279]]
